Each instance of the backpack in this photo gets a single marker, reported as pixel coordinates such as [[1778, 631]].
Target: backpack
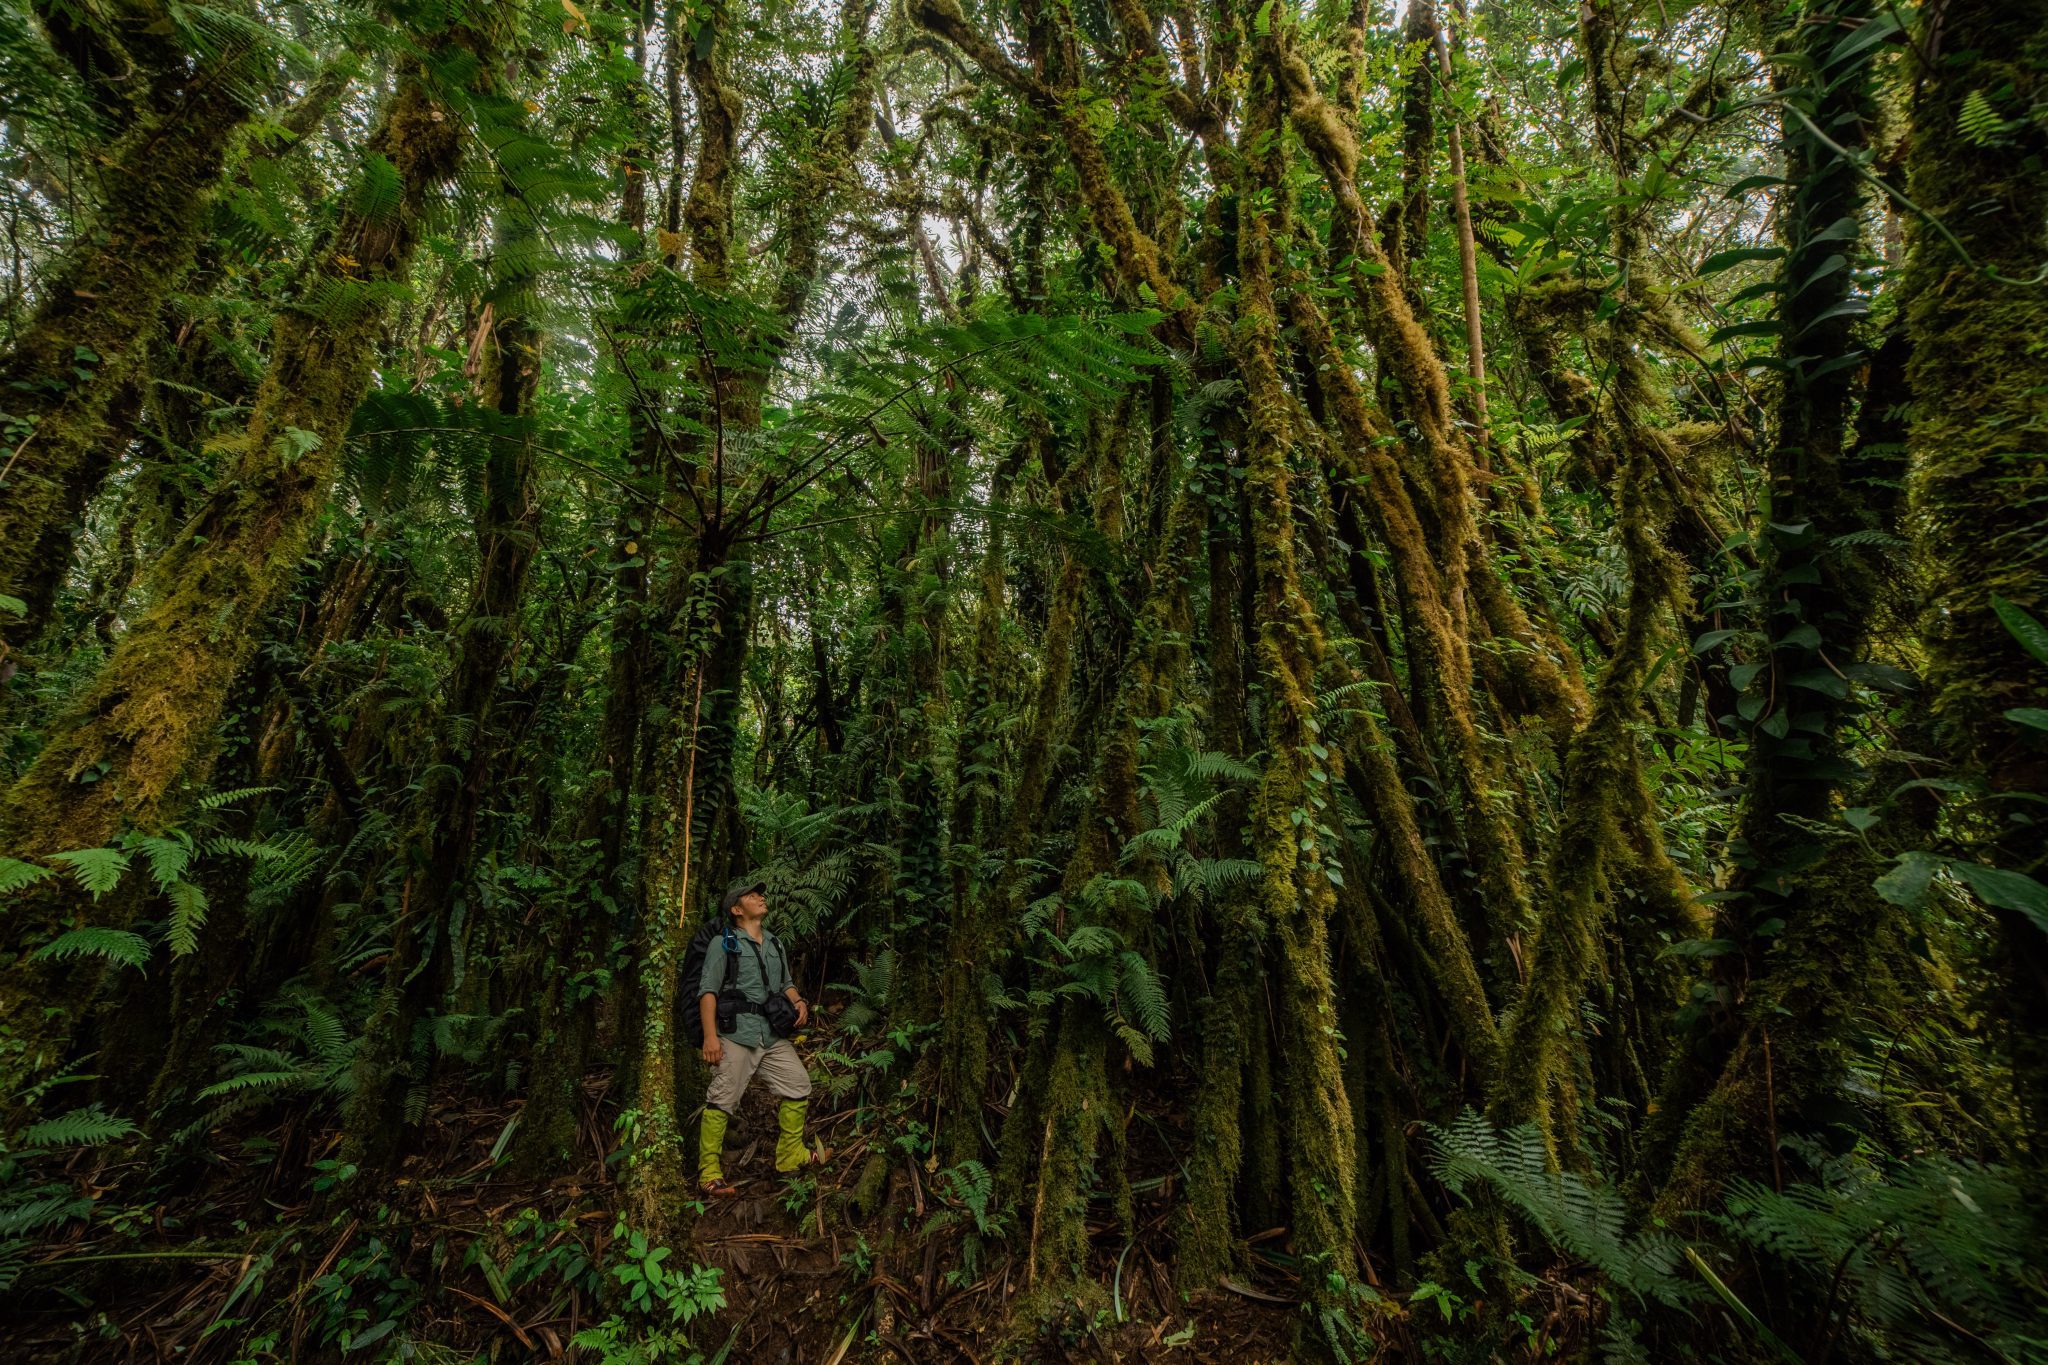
[[693, 973]]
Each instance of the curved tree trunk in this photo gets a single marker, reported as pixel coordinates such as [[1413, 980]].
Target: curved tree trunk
[[98, 309], [145, 726]]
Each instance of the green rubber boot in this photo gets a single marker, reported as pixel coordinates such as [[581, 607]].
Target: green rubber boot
[[711, 1145], [789, 1143]]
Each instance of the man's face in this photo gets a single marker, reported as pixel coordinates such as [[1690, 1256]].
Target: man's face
[[753, 905]]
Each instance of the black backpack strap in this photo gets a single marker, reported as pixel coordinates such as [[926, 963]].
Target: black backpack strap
[[732, 958], [782, 956]]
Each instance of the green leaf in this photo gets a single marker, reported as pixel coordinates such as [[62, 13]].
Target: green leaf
[[1843, 229], [2006, 890], [1868, 35], [13, 606], [1751, 182], [1848, 360], [1861, 818], [1979, 122], [1763, 327], [1823, 270], [1799, 637], [1722, 260], [1754, 291], [1847, 308], [294, 444], [98, 870], [1907, 883], [115, 945], [2031, 634], [2033, 717], [1710, 639], [1742, 1310], [1825, 681], [1881, 677]]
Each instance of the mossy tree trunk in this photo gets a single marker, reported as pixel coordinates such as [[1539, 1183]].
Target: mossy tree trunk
[[97, 311], [143, 731], [1074, 1124], [1979, 376], [688, 793], [1293, 811], [963, 1003], [1207, 1241], [437, 853], [1808, 935], [579, 933], [1605, 797], [1436, 583]]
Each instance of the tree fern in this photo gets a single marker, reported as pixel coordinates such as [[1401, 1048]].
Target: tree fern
[[1907, 1251], [285, 864], [1586, 1220], [870, 991], [32, 1210], [315, 1055], [1208, 878]]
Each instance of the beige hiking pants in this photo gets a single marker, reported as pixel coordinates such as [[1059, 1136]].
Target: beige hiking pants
[[777, 1064]]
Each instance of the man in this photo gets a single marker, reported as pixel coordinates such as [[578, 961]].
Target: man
[[747, 1045]]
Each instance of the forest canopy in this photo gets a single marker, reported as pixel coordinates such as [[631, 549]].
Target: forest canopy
[[1386, 662]]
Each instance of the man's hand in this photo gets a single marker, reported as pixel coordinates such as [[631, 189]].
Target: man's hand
[[707, 1015], [803, 1012]]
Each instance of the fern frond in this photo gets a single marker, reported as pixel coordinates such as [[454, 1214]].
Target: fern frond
[[1140, 991], [91, 1126], [167, 855], [188, 915], [115, 945], [255, 1080], [1586, 1220], [217, 800], [15, 874], [98, 870], [45, 1207]]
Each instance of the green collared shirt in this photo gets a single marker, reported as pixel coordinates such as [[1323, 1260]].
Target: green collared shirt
[[763, 971]]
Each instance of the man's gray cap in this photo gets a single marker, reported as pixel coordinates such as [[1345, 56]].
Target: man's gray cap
[[737, 890]]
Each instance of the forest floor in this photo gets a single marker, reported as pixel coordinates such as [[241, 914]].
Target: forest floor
[[246, 1256]]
